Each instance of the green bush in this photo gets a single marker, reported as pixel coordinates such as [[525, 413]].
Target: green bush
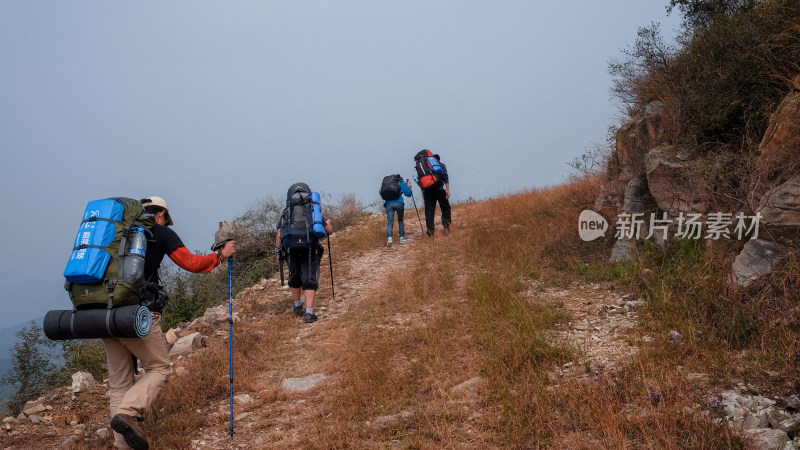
[[732, 66], [34, 371]]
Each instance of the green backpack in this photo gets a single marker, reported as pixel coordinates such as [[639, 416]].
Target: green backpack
[[115, 288]]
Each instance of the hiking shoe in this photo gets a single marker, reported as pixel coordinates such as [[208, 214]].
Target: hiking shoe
[[389, 242], [131, 430], [310, 318], [402, 240], [298, 310]]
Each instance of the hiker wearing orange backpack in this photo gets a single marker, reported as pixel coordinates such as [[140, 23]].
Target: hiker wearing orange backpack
[[432, 178]]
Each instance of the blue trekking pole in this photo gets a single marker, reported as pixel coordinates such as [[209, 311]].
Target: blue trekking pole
[[230, 329], [217, 248]]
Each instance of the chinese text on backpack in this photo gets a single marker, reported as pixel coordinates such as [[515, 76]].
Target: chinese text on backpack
[[428, 170], [102, 272], [302, 218], [390, 187]]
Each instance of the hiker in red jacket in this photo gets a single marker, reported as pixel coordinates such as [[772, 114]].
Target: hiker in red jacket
[[129, 398]]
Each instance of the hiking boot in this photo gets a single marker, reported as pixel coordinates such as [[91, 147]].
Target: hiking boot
[[298, 310], [402, 240], [131, 430], [389, 242], [310, 318]]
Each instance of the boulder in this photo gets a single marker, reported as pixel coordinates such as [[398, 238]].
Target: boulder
[[780, 210], [171, 336], [82, 381], [186, 345], [623, 250], [756, 259], [231, 230], [636, 199], [767, 438], [673, 182], [302, 384], [32, 408]]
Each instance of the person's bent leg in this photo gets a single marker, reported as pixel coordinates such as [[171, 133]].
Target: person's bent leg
[[444, 204], [310, 285], [296, 279], [430, 209], [390, 219], [120, 379], [152, 352], [401, 229]]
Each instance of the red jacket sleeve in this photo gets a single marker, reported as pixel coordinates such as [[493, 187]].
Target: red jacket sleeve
[[194, 263]]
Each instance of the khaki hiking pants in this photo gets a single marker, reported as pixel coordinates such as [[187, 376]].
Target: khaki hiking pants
[[127, 395]]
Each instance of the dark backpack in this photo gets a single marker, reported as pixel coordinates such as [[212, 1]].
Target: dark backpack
[[390, 187], [428, 170], [96, 271], [298, 224]]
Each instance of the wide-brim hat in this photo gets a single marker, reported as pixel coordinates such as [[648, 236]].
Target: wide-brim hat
[[158, 201]]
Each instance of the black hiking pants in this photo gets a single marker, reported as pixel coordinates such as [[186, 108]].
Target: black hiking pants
[[430, 197], [304, 268]]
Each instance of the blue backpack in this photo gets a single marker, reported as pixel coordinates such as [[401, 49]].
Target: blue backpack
[[302, 218]]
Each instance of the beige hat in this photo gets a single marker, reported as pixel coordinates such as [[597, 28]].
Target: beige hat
[[158, 201]]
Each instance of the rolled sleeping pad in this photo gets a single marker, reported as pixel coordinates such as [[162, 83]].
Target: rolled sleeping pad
[[132, 321], [316, 216]]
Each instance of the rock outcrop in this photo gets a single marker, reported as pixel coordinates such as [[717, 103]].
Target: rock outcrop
[[648, 175], [780, 147], [674, 182]]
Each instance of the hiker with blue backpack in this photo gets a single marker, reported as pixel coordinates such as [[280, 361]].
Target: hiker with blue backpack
[[434, 182], [130, 399], [393, 188], [300, 228]]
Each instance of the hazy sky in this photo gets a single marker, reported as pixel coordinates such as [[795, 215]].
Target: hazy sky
[[214, 104]]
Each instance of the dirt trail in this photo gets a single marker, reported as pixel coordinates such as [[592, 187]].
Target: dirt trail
[[272, 417], [597, 322]]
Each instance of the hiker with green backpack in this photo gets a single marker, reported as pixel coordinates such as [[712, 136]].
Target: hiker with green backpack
[[300, 228], [392, 190], [130, 399]]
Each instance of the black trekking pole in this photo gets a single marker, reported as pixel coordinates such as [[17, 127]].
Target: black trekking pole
[[281, 258], [421, 230], [330, 263]]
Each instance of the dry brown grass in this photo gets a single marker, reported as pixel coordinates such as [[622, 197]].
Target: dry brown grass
[[196, 395], [454, 312]]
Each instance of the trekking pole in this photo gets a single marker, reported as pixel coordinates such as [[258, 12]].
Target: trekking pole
[[230, 330], [421, 230], [218, 247], [281, 258], [330, 263]]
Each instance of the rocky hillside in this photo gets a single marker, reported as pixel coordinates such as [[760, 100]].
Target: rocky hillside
[[659, 178]]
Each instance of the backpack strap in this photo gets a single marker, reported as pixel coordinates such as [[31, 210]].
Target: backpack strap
[[111, 285], [68, 288]]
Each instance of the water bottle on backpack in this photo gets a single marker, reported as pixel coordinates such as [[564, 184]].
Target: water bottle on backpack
[[134, 260]]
